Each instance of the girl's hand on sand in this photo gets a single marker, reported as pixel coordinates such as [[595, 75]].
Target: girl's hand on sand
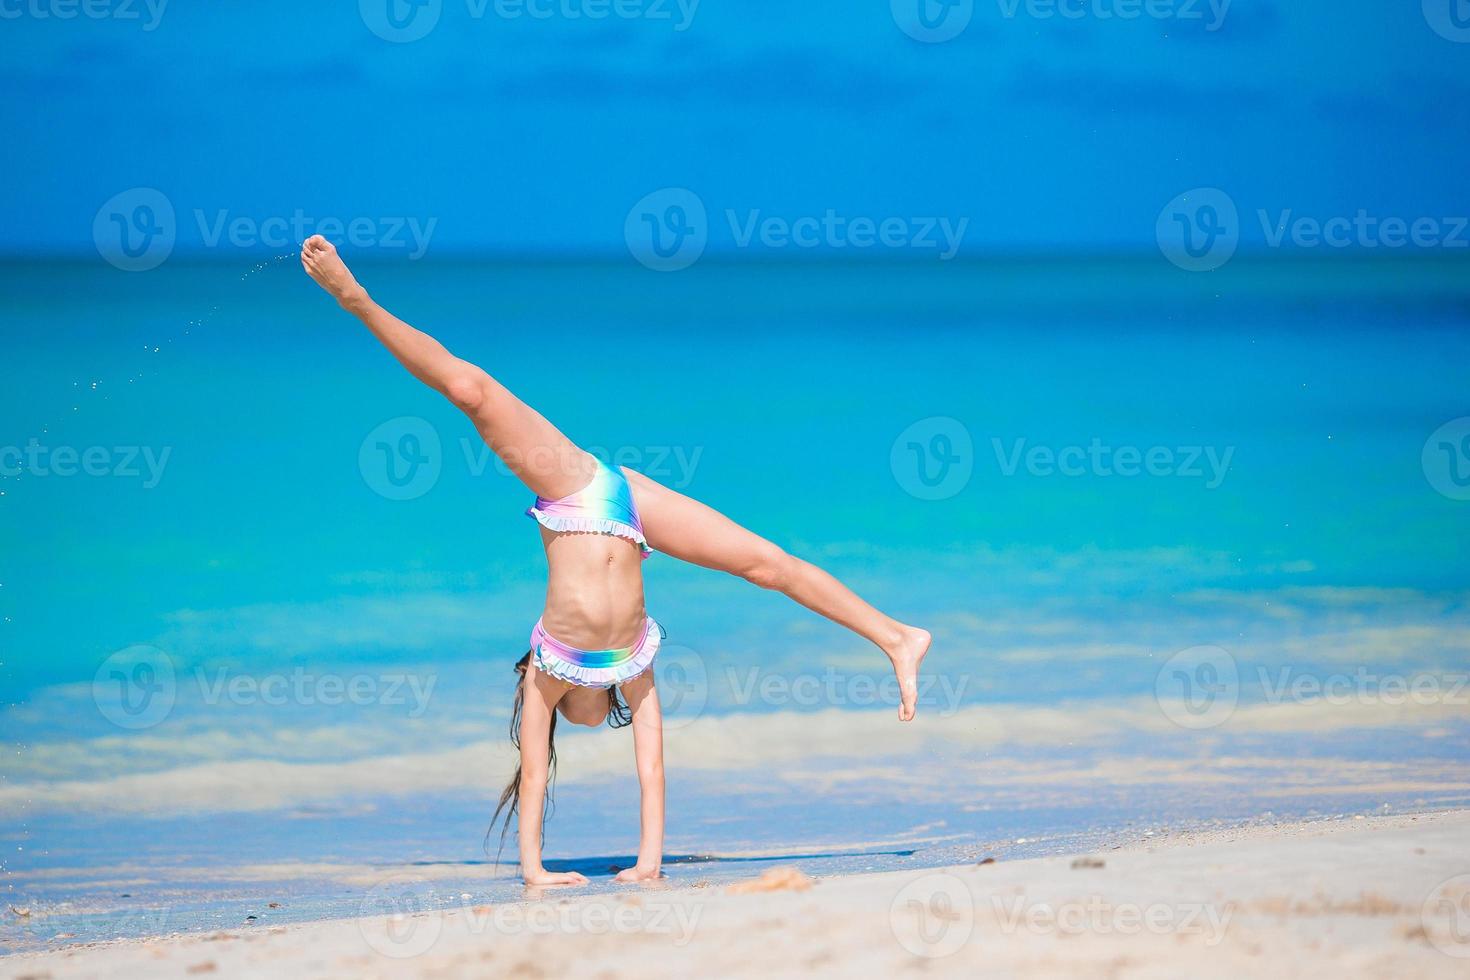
[[635, 874], [545, 877]]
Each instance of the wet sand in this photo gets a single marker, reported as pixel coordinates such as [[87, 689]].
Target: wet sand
[[1375, 897]]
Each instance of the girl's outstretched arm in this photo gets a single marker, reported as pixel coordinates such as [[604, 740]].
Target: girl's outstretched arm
[[536, 709], [648, 750]]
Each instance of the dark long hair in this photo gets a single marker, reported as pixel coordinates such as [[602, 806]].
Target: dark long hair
[[619, 715]]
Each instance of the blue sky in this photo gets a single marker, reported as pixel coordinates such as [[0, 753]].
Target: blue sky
[[516, 133]]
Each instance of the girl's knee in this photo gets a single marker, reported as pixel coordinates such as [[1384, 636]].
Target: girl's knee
[[466, 391], [769, 568]]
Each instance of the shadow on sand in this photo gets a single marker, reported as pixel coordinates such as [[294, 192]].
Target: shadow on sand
[[594, 867]]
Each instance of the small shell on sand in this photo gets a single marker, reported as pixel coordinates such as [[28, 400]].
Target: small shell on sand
[[774, 880]]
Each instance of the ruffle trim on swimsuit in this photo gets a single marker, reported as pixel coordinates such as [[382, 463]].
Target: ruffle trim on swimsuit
[[591, 525], [595, 668]]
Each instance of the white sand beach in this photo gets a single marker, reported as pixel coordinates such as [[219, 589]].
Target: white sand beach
[[1374, 897]]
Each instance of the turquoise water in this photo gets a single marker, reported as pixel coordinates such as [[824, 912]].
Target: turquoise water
[[240, 528]]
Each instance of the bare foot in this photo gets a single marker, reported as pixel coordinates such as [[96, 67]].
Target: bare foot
[[320, 260], [906, 655]]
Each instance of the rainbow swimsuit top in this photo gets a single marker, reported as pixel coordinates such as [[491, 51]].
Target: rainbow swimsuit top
[[604, 506]]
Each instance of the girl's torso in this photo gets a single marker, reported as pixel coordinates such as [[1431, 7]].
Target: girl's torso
[[594, 552], [594, 589]]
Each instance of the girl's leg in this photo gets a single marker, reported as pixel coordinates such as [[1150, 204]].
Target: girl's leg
[[535, 450], [688, 530]]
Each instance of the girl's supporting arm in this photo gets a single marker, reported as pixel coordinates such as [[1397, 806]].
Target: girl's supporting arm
[[648, 750], [535, 766]]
